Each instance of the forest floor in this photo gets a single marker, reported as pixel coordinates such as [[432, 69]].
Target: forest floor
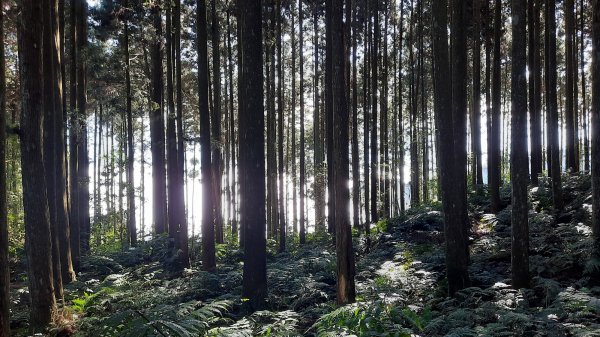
[[401, 288]]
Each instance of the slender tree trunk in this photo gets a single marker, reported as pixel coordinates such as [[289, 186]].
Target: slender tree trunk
[[293, 130], [251, 124], [331, 206], [234, 229], [384, 135], [346, 292], [518, 153], [208, 229], [570, 85], [595, 127], [535, 90], [476, 119], [302, 140], [375, 86], [355, 152], [320, 180], [50, 155], [83, 157], [74, 138], [35, 202], [553, 135], [4, 268], [131, 221], [216, 125], [280, 124], [495, 168], [366, 119], [584, 114], [157, 128]]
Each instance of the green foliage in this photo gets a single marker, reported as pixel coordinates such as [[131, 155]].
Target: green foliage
[[181, 320], [80, 304], [262, 324], [382, 225], [372, 319]]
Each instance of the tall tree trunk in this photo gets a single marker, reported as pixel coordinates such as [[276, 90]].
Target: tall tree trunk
[[50, 155], [518, 161], [35, 202], [232, 137], [476, 111], [208, 229], [217, 155], [366, 117], [157, 128], [595, 127], [346, 292], [384, 135], [571, 71], [4, 269], [82, 144], [374, 88], [584, 114], [329, 129], [131, 221], [293, 129], [320, 180], [251, 125], [553, 135], [494, 167], [535, 89], [74, 138], [280, 124], [355, 152], [181, 162], [454, 229], [302, 140]]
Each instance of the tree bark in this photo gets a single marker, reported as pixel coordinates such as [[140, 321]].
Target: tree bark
[[157, 128], [518, 161], [494, 150], [217, 154], [302, 139], [570, 85], [535, 90], [208, 229], [477, 174], [35, 202], [346, 292], [4, 268], [595, 127], [552, 108], [252, 167]]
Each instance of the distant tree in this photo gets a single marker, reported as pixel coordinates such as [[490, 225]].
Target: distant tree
[[252, 155], [217, 155], [374, 88], [302, 138], [518, 161], [35, 203]]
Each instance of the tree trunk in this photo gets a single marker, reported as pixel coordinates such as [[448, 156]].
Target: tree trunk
[[535, 89], [355, 152], [157, 128], [302, 140], [454, 229], [553, 136], [208, 229], [251, 125], [50, 155], [374, 88], [74, 138], [570, 72], [346, 292], [477, 174], [131, 219], [494, 167], [82, 144], [518, 153], [595, 127], [35, 202], [217, 155], [320, 180], [280, 125], [4, 268]]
